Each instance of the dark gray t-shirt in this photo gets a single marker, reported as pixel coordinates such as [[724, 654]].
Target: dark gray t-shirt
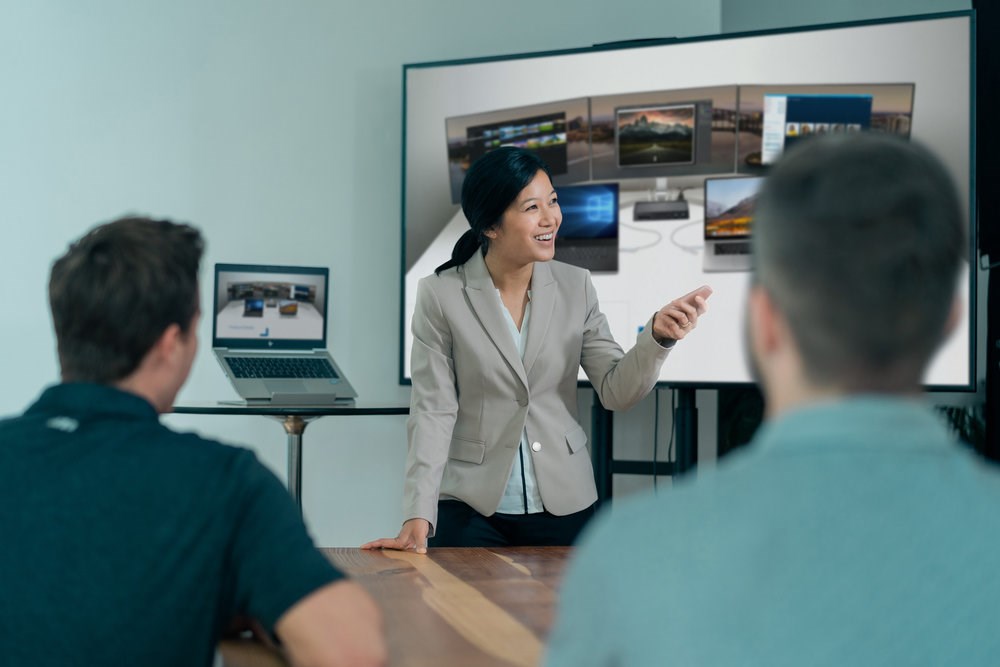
[[125, 543]]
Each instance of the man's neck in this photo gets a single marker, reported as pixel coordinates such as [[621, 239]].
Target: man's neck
[[792, 394], [787, 388], [146, 390], [785, 398]]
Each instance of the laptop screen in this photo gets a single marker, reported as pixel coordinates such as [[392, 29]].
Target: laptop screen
[[729, 204], [588, 211], [269, 307]]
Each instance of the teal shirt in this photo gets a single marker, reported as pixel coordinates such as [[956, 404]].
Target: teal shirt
[[850, 533], [125, 543]]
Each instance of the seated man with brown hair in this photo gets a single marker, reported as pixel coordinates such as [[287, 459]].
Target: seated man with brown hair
[[127, 543]]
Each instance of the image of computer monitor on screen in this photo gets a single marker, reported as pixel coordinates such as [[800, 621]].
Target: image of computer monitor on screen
[[557, 131], [545, 135], [588, 235], [773, 118], [708, 112], [789, 119], [654, 136]]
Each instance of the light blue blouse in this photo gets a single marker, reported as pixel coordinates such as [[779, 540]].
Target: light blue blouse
[[521, 495]]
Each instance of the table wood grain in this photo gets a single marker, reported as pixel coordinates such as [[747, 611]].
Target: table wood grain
[[461, 607], [250, 653]]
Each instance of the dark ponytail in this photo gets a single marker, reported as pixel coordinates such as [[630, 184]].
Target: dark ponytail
[[464, 249], [491, 184]]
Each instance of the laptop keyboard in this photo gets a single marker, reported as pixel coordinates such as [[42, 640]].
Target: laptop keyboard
[[589, 257], [281, 367], [584, 254], [732, 249]]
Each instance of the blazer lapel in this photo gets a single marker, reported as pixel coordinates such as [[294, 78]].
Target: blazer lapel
[[486, 304], [543, 303]]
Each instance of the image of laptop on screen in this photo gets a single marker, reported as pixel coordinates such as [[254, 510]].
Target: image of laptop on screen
[[588, 235], [729, 205], [269, 335]]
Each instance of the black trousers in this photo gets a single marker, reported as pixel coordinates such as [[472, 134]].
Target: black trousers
[[459, 525]]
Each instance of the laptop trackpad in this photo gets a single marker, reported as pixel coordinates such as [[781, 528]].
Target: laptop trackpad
[[285, 386]]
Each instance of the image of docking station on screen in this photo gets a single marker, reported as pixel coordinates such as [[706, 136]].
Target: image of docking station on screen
[[657, 154]]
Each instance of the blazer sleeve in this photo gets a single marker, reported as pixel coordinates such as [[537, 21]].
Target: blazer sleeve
[[433, 405], [621, 379]]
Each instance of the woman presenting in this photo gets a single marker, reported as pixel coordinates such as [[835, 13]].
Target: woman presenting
[[496, 454]]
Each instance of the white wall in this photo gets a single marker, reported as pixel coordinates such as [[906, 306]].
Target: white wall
[[264, 123]]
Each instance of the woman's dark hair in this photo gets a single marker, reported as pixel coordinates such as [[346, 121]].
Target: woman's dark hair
[[491, 184]]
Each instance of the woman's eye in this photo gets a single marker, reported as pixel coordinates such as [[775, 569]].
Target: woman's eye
[[554, 202]]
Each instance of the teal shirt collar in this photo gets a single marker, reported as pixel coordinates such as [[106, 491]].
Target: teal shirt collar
[[81, 399], [863, 421]]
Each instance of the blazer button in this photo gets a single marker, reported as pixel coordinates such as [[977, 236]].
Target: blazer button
[[536, 446]]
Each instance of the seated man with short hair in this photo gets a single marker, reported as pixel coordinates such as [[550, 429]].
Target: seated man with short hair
[[127, 543], [854, 529]]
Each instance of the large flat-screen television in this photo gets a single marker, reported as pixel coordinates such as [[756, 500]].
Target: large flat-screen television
[[660, 119]]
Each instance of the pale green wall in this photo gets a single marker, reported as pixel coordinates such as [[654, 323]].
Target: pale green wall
[[740, 15], [275, 127]]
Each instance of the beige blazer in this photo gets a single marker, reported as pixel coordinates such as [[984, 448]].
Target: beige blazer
[[472, 396]]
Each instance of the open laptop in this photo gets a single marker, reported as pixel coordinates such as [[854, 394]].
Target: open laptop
[[729, 205], [269, 335], [588, 236]]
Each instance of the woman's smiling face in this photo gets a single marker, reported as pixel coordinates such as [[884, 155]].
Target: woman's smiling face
[[527, 231]]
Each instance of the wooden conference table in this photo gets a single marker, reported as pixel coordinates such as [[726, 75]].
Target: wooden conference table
[[471, 607]]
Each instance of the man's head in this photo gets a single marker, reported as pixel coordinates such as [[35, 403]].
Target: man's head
[[858, 241], [118, 291]]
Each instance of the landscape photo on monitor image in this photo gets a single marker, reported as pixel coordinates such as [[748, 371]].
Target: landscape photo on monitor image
[[729, 206], [650, 136]]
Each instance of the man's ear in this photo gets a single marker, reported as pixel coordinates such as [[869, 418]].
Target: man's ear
[[764, 325], [954, 315], [167, 345]]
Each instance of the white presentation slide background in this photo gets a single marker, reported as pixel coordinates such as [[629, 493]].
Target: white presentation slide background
[[307, 324], [934, 55], [665, 258]]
